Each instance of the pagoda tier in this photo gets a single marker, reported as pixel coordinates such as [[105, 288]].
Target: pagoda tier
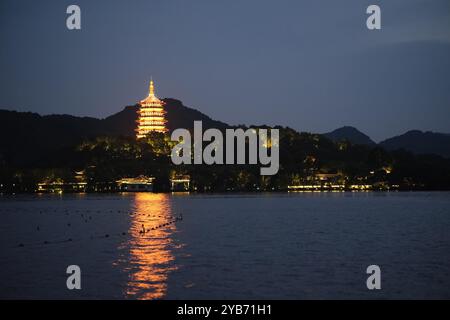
[[151, 115]]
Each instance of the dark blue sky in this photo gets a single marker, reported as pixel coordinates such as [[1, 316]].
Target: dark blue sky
[[311, 65]]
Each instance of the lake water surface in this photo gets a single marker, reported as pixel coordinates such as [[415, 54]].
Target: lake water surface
[[232, 246]]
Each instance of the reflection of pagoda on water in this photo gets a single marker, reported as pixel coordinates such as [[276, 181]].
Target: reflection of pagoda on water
[[152, 116], [151, 257]]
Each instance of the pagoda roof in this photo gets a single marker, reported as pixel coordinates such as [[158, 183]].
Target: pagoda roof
[[151, 98]]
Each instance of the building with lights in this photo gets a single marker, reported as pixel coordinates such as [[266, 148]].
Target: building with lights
[[151, 115], [139, 184], [180, 183]]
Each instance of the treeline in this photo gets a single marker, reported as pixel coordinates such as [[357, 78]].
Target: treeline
[[303, 156]]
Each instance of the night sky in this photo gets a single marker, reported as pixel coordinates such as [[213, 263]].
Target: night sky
[[311, 65]]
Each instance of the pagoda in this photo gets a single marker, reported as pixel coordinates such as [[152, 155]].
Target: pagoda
[[151, 114]]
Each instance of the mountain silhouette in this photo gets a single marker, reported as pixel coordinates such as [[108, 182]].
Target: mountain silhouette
[[419, 142], [28, 138], [350, 134], [178, 116]]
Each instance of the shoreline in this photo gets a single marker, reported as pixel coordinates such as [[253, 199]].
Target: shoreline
[[224, 192]]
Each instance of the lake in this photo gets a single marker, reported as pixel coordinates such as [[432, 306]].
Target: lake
[[226, 246]]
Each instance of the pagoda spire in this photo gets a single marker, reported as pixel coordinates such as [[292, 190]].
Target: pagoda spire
[[151, 88]]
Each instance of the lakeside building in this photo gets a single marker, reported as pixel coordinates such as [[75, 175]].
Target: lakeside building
[[316, 187], [57, 185], [60, 187], [138, 184], [318, 181], [180, 183], [151, 115]]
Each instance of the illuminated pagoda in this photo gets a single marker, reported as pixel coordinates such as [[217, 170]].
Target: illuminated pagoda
[[152, 116]]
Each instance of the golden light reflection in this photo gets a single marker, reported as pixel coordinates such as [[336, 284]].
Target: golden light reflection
[[151, 258]]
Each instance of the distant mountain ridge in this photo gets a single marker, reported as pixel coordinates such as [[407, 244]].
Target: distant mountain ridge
[[420, 142], [414, 141], [350, 134]]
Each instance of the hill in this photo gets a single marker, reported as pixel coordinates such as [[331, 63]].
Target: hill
[[29, 138], [419, 142], [350, 134]]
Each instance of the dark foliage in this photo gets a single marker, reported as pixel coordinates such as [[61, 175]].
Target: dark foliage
[[37, 148]]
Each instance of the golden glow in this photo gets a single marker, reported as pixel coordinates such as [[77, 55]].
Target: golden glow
[[138, 180], [360, 187], [388, 169], [151, 88], [151, 259], [152, 116], [316, 187]]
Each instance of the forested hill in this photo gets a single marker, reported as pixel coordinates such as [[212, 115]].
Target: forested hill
[[29, 138]]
